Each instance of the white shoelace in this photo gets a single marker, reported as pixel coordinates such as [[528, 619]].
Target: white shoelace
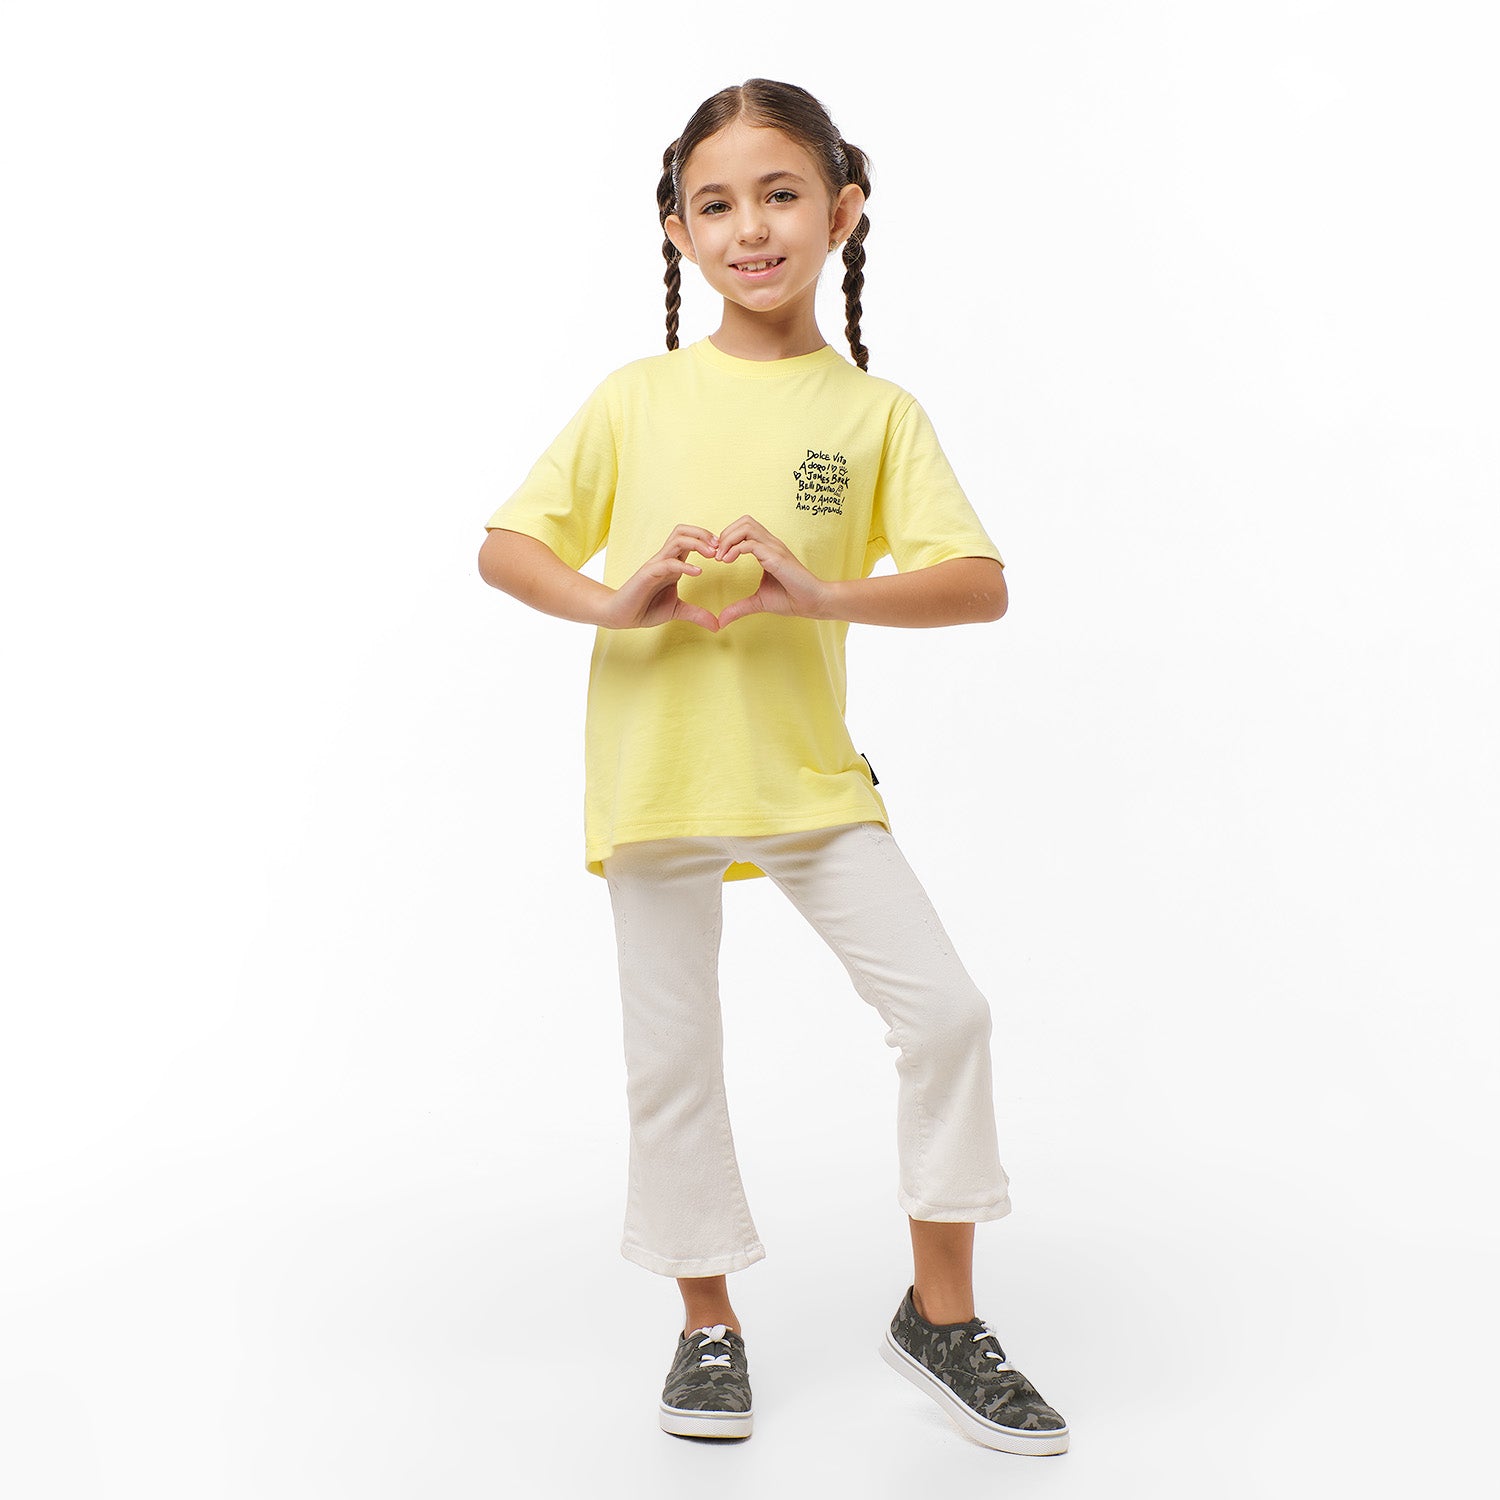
[[715, 1336], [989, 1333]]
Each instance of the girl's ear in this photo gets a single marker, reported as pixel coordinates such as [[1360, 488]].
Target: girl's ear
[[677, 233], [846, 212]]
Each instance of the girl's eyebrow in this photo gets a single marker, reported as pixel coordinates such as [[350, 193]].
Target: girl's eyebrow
[[719, 187]]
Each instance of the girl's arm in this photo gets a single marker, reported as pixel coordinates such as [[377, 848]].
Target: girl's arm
[[529, 570], [960, 591]]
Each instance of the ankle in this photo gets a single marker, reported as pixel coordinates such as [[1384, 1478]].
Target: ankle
[[941, 1307], [731, 1322]]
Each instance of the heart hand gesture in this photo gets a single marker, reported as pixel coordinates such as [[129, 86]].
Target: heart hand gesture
[[650, 596]]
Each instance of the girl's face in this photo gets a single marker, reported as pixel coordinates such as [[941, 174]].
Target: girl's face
[[752, 194]]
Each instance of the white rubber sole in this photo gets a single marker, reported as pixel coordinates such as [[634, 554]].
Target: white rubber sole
[[968, 1421], [715, 1424]]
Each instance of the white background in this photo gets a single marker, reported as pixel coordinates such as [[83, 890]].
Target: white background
[[312, 1094]]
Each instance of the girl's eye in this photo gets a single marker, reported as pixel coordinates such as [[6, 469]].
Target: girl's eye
[[708, 208]]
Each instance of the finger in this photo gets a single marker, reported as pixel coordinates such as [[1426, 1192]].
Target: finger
[[751, 544], [741, 607], [695, 615], [747, 528], [744, 527], [685, 539]]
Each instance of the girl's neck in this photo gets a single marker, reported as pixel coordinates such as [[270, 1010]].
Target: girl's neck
[[747, 335]]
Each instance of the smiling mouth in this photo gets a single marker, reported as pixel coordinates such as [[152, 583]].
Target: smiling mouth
[[753, 266]]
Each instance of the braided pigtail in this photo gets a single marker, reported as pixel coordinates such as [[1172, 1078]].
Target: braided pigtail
[[854, 255], [666, 203]]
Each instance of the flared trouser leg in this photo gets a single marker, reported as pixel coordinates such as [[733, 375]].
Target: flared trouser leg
[[855, 888], [686, 1213], [685, 1207]]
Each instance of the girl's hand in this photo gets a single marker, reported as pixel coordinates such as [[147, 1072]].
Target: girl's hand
[[786, 587], [650, 596]]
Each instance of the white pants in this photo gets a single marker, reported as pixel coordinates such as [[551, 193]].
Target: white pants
[[686, 1213]]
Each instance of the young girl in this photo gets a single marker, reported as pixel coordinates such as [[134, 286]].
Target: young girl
[[715, 742]]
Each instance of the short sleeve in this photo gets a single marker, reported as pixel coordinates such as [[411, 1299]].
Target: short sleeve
[[921, 515], [567, 498]]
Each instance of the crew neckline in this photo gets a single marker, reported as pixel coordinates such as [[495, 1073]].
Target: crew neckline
[[765, 369]]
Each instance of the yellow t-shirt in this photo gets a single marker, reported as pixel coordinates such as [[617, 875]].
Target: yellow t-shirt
[[741, 731]]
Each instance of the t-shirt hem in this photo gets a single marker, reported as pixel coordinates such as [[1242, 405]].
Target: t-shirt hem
[[596, 853]]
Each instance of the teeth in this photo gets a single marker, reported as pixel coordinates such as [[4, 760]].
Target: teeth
[[757, 265]]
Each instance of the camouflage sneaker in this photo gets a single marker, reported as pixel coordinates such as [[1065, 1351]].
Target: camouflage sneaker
[[707, 1393], [964, 1369]]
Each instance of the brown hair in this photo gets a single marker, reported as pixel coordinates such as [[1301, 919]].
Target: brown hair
[[785, 107]]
